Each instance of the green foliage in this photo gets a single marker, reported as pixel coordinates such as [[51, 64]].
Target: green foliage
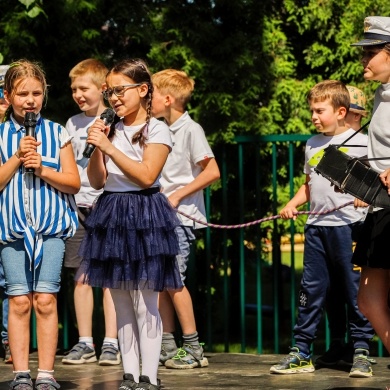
[[253, 63]]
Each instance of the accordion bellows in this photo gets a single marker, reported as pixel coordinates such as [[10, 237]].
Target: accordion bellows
[[353, 176]]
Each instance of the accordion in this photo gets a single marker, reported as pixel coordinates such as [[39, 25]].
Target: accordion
[[353, 176]]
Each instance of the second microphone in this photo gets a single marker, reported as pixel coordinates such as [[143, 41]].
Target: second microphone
[[108, 116]]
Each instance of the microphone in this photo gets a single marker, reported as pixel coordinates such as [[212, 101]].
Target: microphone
[[107, 116], [30, 121]]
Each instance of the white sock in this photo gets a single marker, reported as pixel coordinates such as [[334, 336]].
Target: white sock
[[45, 374], [88, 341], [112, 341]]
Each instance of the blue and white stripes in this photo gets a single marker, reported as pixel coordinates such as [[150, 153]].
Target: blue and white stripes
[[31, 208]]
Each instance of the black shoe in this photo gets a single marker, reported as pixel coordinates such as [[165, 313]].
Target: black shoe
[[333, 355], [22, 381], [128, 383], [144, 384]]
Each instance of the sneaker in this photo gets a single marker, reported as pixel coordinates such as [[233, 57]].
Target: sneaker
[[347, 358], [22, 381], [361, 367], [187, 357], [144, 384], [166, 355], [46, 384], [110, 355], [294, 363], [333, 355], [128, 382], [7, 353], [80, 354]]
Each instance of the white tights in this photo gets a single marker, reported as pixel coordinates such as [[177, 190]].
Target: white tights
[[139, 331]]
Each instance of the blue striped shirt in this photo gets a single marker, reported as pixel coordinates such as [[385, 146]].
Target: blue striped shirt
[[31, 208]]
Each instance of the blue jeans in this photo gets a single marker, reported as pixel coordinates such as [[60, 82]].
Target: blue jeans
[[4, 329], [21, 278]]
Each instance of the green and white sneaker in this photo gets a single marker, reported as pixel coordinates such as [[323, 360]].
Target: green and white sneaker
[[294, 363], [188, 357], [361, 367]]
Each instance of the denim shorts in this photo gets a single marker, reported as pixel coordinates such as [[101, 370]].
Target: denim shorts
[[20, 279], [186, 237]]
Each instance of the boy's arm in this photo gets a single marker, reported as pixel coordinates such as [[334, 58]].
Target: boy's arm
[[210, 174], [301, 197]]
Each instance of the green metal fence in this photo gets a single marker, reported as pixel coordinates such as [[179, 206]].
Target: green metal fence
[[239, 298]]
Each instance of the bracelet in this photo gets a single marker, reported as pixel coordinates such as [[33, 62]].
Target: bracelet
[[17, 155]]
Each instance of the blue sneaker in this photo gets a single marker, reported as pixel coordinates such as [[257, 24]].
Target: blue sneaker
[[46, 384], [110, 355], [22, 381], [80, 354], [294, 363]]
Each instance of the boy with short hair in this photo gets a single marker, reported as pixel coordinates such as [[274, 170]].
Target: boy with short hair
[[189, 169], [88, 80], [328, 236], [339, 351]]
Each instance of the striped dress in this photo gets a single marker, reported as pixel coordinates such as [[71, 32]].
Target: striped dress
[[30, 208]]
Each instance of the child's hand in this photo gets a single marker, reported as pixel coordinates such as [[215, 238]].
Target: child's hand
[[288, 212], [97, 135], [33, 160], [27, 144], [359, 203]]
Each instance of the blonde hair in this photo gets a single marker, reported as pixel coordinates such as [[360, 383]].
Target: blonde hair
[[91, 67], [17, 72], [176, 83], [333, 90]]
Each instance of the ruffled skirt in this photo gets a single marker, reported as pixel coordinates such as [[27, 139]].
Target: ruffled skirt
[[130, 243]]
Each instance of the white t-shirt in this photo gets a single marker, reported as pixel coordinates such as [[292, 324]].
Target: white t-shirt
[[323, 196], [158, 133], [379, 129], [190, 146], [77, 127]]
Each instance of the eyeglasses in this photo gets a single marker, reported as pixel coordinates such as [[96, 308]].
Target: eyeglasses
[[118, 90]]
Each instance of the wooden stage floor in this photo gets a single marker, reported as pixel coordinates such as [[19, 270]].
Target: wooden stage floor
[[225, 371]]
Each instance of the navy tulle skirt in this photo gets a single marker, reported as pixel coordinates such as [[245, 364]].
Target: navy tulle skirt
[[130, 242]]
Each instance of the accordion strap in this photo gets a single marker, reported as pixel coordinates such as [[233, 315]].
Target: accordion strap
[[353, 135], [360, 158]]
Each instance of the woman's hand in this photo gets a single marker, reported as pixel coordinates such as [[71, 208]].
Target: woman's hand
[[385, 179]]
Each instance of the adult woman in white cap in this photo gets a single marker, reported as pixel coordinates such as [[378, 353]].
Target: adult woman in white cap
[[373, 242]]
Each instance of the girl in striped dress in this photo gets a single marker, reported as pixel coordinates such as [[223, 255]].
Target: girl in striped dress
[[38, 177], [130, 245]]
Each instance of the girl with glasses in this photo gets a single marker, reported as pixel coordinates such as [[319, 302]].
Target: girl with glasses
[[130, 244]]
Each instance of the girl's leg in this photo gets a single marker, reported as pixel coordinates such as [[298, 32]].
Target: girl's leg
[[18, 281], [127, 332], [150, 331], [19, 330], [373, 301], [45, 306], [47, 282]]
